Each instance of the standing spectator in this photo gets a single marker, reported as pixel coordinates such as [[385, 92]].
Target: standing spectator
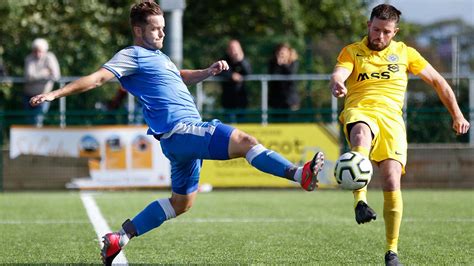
[[3, 70], [283, 94], [234, 93], [118, 101], [41, 71], [3, 73]]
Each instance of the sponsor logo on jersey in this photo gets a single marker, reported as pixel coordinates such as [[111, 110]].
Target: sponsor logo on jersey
[[392, 58], [393, 68], [373, 75]]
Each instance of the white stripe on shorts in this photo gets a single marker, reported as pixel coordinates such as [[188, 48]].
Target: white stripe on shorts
[[182, 128]]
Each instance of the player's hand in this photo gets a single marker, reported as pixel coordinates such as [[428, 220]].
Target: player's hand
[[338, 89], [41, 98], [218, 67], [460, 125]]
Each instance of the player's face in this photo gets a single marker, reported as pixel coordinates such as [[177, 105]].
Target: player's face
[[381, 32], [153, 33]]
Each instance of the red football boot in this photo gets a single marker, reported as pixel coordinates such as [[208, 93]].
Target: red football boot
[[111, 247], [309, 176]]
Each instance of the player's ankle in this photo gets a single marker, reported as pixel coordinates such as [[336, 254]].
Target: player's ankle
[[127, 232]]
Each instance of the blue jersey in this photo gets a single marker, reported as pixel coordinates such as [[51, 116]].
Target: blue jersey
[[150, 76]]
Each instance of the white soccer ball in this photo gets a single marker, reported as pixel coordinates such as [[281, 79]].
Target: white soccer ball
[[353, 170]]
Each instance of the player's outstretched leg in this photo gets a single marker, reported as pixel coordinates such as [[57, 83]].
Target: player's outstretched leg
[[271, 162], [391, 259], [114, 242], [363, 213], [309, 174]]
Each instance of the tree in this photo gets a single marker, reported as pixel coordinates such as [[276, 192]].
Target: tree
[[82, 34], [260, 25]]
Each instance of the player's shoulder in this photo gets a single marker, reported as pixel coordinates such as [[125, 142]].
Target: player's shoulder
[[356, 47], [129, 51], [400, 45]]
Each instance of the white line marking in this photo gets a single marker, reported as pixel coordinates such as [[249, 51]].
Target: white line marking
[[100, 224]]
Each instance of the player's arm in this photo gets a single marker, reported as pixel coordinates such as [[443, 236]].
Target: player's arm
[[194, 76], [78, 86], [338, 77], [447, 97]]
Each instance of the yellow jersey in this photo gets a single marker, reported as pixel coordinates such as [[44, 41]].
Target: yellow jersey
[[379, 78]]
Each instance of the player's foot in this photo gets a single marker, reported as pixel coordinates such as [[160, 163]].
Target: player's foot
[[363, 213], [391, 259], [114, 242], [309, 176], [111, 247]]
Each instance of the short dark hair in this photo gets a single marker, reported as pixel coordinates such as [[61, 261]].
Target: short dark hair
[[385, 12], [140, 12]]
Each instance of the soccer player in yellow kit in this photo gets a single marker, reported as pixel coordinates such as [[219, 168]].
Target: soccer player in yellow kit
[[373, 74]]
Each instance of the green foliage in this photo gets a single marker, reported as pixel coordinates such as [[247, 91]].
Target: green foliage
[[261, 25], [83, 34]]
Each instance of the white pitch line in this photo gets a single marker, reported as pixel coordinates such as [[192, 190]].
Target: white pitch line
[[100, 224]]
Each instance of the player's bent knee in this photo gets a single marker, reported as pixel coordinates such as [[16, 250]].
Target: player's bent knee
[[245, 139], [241, 143], [182, 207], [182, 203]]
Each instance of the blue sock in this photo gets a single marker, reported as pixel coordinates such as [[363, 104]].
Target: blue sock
[[268, 161], [153, 216]]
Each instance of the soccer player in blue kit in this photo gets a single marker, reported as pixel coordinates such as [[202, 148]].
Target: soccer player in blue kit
[[173, 119]]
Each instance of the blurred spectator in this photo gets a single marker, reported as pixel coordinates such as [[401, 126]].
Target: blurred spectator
[[3, 73], [283, 94], [234, 93], [3, 70], [41, 71], [117, 102]]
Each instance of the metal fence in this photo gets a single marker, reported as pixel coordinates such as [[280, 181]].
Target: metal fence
[[263, 108]]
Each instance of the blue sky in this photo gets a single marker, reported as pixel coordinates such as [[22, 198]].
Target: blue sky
[[428, 11]]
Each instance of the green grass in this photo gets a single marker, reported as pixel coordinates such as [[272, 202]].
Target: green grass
[[241, 227]]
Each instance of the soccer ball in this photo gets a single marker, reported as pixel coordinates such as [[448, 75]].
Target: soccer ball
[[353, 170]]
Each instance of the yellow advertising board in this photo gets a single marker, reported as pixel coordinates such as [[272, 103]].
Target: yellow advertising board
[[297, 142], [125, 155], [142, 153], [119, 156], [115, 156]]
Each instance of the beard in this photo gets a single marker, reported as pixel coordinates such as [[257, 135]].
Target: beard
[[379, 46], [376, 47], [152, 44]]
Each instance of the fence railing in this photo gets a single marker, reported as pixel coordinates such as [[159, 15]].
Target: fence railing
[[263, 79]]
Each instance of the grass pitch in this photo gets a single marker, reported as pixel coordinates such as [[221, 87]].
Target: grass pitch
[[241, 227]]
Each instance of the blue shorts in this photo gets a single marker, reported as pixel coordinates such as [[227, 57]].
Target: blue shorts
[[187, 144]]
